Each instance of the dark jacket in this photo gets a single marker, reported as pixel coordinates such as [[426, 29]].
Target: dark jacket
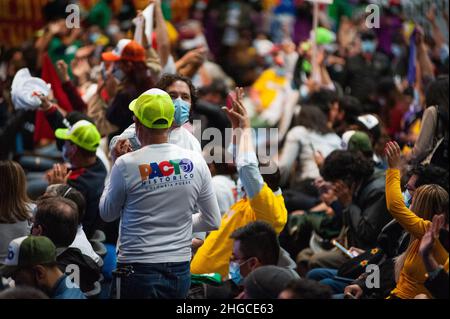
[[368, 214], [89, 271]]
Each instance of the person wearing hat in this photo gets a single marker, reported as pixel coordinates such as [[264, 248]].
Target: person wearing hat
[[267, 282], [358, 141], [31, 261], [155, 191], [128, 75], [87, 173]]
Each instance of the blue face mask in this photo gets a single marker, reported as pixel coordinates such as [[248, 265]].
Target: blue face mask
[[397, 50], [65, 155], [407, 198], [368, 46], [280, 71], [93, 37], [235, 273], [182, 110]]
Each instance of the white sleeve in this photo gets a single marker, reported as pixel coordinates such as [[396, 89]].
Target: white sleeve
[[209, 217], [114, 194]]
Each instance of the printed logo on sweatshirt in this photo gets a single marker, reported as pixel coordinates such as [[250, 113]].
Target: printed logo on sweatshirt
[[166, 173]]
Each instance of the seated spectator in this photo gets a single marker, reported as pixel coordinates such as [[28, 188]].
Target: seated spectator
[[32, 262], [87, 173], [267, 282], [57, 219], [81, 242], [434, 127], [305, 289], [428, 200], [263, 201], [309, 135], [15, 206], [359, 206], [255, 245]]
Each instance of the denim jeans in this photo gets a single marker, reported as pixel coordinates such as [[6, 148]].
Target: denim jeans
[[155, 281], [328, 277]]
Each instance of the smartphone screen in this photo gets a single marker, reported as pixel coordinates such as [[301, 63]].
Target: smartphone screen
[[342, 248]]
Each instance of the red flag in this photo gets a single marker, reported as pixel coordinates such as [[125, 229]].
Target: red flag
[[42, 129]]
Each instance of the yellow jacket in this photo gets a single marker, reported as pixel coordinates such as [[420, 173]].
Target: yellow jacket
[[413, 275], [214, 255]]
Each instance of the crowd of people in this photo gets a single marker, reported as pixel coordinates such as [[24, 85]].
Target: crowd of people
[[112, 188]]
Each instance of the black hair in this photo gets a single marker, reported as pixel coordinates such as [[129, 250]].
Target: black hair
[[430, 174], [347, 166], [308, 289], [323, 99], [169, 79], [313, 118], [58, 218], [352, 108], [258, 239]]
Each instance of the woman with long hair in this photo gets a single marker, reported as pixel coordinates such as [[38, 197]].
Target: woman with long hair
[[309, 135], [428, 201], [15, 206], [434, 125]]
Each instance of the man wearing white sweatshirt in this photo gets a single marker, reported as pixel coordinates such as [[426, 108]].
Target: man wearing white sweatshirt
[[155, 191]]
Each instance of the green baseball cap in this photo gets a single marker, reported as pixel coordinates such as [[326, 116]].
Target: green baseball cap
[[154, 109], [360, 141], [27, 252], [83, 134]]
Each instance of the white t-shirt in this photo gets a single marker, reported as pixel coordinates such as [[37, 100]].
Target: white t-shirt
[[82, 243], [301, 143], [226, 192], [184, 139], [155, 191]]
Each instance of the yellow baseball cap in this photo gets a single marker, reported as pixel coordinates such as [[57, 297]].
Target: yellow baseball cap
[[83, 134], [154, 109]]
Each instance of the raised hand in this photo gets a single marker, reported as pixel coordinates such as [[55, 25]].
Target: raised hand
[[63, 70], [58, 175], [393, 154], [238, 115], [432, 233], [122, 147]]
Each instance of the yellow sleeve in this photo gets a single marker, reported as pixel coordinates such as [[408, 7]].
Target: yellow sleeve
[[446, 266], [413, 224], [214, 255], [270, 208]]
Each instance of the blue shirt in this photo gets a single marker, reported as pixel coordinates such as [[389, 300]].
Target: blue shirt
[[61, 291]]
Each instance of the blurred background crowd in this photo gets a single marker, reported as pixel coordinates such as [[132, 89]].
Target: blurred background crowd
[[336, 103]]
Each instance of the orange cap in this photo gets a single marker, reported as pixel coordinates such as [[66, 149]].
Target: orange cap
[[128, 50]]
